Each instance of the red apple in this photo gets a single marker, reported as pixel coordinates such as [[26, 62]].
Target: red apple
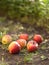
[[14, 47], [23, 36], [38, 38], [22, 42], [32, 46]]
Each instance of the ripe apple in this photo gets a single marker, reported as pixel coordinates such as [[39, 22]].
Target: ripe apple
[[38, 38], [14, 47], [23, 36], [6, 39], [22, 42], [32, 46]]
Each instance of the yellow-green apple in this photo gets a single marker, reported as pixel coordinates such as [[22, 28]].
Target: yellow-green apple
[[22, 42], [24, 36], [38, 38], [14, 47], [6, 39], [32, 46]]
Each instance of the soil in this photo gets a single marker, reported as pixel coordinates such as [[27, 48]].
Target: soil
[[40, 57]]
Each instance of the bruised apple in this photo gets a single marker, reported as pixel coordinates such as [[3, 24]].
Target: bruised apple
[[6, 39], [32, 46], [38, 38], [14, 47], [23, 36], [22, 42]]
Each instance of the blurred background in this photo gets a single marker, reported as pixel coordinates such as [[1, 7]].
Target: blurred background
[[33, 12]]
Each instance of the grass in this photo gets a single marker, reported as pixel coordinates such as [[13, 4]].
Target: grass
[[28, 58], [43, 57], [2, 19], [3, 63]]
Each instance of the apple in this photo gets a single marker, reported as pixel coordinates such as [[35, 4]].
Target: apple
[[22, 42], [23, 36], [32, 46], [38, 38], [6, 39], [14, 47]]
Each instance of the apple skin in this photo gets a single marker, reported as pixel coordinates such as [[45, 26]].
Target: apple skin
[[14, 47], [22, 42], [38, 38], [32, 46], [23, 36], [6, 39]]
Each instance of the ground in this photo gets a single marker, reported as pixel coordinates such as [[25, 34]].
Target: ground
[[40, 57]]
